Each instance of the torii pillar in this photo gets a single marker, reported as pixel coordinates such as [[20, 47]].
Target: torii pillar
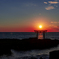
[[40, 31]]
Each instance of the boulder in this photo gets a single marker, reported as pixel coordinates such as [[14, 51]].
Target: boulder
[[54, 54]]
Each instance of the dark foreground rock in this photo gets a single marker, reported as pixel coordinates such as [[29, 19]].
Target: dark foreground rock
[[26, 44], [4, 51], [54, 54]]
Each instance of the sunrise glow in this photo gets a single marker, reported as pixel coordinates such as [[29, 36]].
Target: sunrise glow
[[40, 26], [15, 15]]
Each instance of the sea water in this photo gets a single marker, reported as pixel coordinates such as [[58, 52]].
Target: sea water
[[32, 53], [22, 35]]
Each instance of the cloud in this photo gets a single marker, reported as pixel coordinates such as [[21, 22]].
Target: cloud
[[56, 27], [53, 2], [49, 3], [49, 8], [51, 22], [45, 2], [55, 22]]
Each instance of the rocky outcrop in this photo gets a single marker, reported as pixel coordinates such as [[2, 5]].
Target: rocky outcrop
[[25, 44], [54, 54]]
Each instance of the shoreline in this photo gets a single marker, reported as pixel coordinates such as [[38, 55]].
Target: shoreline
[[25, 44]]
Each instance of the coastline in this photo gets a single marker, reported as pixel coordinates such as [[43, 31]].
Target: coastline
[[25, 44]]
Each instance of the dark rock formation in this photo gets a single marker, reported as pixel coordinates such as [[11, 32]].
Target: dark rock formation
[[54, 54], [33, 58], [4, 51], [41, 58], [25, 44]]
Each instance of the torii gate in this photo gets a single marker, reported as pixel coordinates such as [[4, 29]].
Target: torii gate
[[41, 31]]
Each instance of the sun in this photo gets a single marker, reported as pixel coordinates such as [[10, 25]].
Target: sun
[[40, 26]]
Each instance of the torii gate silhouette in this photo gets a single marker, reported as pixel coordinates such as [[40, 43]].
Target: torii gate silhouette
[[40, 31]]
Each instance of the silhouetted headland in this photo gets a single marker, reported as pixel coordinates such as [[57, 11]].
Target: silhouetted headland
[[25, 44]]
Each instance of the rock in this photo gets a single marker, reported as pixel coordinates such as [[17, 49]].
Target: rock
[[41, 58], [33, 58], [54, 54], [5, 52]]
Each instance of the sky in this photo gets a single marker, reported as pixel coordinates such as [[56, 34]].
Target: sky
[[27, 15]]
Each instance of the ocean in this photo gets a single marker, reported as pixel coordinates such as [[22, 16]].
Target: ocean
[[22, 35], [32, 53]]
